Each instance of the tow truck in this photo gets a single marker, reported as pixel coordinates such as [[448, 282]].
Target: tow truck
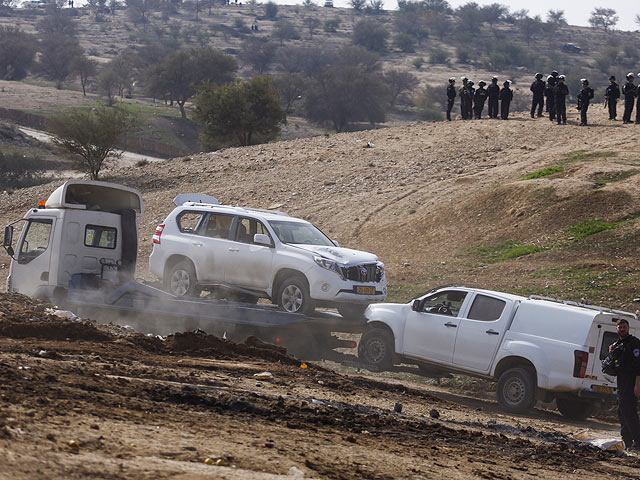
[[78, 249]]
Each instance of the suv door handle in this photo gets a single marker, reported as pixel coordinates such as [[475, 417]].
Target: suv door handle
[[449, 324], [492, 332], [197, 244], [231, 249]]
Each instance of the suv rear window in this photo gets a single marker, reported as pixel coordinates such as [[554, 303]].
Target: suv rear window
[[188, 222]]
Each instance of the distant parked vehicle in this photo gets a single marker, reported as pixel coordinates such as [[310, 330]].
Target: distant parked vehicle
[[571, 48], [35, 4]]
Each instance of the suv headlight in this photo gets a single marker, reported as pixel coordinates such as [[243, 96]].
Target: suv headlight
[[329, 265]]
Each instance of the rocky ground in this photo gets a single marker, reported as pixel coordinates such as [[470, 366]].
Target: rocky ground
[[81, 400]]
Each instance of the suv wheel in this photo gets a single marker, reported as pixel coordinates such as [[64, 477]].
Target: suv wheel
[[375, 349], [516, 390], [181, 280], [294, 297]]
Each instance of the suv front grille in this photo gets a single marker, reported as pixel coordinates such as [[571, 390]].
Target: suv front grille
[[369, 272]]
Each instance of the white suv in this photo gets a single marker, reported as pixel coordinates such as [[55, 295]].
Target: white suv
[[250, 253]]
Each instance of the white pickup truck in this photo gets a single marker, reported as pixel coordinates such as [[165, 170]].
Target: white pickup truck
[[536, 348]]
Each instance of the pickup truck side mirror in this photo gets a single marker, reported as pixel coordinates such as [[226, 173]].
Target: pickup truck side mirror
[[416, 305], [262, 239], [7, 241]]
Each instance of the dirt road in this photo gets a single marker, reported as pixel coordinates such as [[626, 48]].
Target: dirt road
[[79, 400]]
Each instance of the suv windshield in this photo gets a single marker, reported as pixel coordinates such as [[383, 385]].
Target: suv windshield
[[302, 233]]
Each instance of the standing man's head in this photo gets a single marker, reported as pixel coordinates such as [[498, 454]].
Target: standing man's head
[[612, 78], [452, 80], [494, 80], [538, 76], [554, 73], [464, 80], [584, 82], [630, 77], [482, 83], [561, 78], [622, 327], [506, 83]]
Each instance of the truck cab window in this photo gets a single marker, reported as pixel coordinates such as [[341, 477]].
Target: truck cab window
[[36, 240], [100, 237], [486, 308], [448, 302]]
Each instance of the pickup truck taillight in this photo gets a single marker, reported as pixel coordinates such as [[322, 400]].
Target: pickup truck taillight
[[580, 363], [156, 236]]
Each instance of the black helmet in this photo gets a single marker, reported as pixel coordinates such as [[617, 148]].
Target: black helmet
[[482, 83], [629, 75], [538, 76], [554, 73], [584, 81], [452, 79], [612, 77], [494, 79], [507, 83], [470, 83]]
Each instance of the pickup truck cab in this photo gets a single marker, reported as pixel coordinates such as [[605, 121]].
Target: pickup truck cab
[[535, 347]]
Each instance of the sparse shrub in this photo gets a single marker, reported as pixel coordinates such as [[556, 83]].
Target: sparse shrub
[[370, 35], [270, 10], [18, 171], [438, 56], [418, 62], [462, 54], [405, 42], [142, 163], [429, 109], [331, 25]]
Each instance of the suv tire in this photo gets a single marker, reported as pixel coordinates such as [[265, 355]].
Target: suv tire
[[516, 390], [294, 297], [352, 311], [181, 280], [375, 349]]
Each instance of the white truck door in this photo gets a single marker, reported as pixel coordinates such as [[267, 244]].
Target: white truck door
[[31, 269], [249, 264], [431, 333], [480, 332]]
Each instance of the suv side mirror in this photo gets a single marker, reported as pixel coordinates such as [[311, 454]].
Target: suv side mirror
[[335, 242], [262, 239], [416, 305], [8, 240]]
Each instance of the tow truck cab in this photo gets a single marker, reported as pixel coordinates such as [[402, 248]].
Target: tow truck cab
[[86, 231]]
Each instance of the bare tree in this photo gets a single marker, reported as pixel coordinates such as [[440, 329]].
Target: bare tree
[[358, 5], [85, 68], [399, 82], [637, 19], [604, 18], [312, 24]]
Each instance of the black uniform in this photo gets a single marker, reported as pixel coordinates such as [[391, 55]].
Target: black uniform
[[560, 92], [627, 401], [493, 90], [479, 97], [629, 92], [506, 95], [537, 87], [638, 105], [551, 103], [612, 94], [584, 96], [466, 101], [451, 95], [463, 101]]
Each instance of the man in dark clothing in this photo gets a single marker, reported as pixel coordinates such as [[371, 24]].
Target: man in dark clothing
[[451, 96], [506, 95], [467, 99], [629, 92], [479, 97], [461, 93], [537, 87], [584, 96], [548, 92], [638, 104], [560, 92], [628, 385], [611, 95], [493, 91]]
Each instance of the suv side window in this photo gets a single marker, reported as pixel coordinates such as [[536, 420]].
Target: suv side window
[[448, 302], [247, 228], [486, 308], [189, 222], [218, 225], [608, 339]]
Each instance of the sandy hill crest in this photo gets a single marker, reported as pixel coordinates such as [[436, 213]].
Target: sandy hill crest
[[438, 202]]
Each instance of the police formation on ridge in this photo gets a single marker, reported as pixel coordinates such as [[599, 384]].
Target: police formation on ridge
[[555, 91]]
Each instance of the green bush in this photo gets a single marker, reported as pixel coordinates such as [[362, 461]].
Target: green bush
[[438, 56], [591, 227], [507, 250], [270, 10], [405, 42], [543, 173], [18, 171], [331, 25]]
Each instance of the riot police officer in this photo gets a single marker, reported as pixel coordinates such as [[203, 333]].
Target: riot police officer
[[461, 93], [560, 92], [506, 95], [467, 99], [479, 97], [611, 95], [537, 87], [548, 92], [584, 96], [629, 92], [638, 104], [628, 385], [493, 90], [451, 96]]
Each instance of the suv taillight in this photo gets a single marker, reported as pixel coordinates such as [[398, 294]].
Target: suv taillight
[[580, 363], [156, 236]]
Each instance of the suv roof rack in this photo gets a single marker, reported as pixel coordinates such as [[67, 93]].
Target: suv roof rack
[[583, 305], [242, 209]]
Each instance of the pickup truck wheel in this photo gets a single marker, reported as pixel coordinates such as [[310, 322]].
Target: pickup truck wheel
[[376, 349], [294, 297], [575, 408], [516, 390], [181, 280], [352, 311]]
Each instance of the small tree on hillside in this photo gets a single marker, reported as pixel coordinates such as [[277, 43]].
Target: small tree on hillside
[[85, 68], [556, 17], [358, 5], [469, 17], [399, 82], [58, 55], [92, 135], [370, 35], [258, 53], [530, 27], [236, 113], [375, 6], [17, 51], [312, 24], [604, 18], [270, 10], [493, 13]]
